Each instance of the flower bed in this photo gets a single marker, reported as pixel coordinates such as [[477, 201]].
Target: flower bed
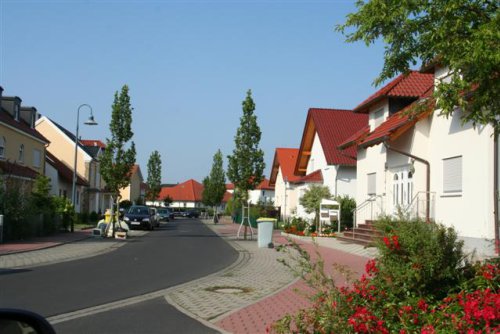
[[420, 283]]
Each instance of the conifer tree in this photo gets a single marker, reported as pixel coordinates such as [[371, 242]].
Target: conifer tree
[[215, 184], [154, 176]]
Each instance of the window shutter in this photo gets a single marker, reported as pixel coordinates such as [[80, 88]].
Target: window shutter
[[372, 184], [452, 174]]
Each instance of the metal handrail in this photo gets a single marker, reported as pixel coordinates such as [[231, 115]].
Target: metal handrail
[[415, 198], [370, 201]]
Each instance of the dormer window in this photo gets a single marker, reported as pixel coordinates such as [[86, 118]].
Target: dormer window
[[378, 117], [16, 112], [21, 153], [2, 147]]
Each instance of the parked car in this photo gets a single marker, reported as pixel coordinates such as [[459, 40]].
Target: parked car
[[191, 214], [178, 214], [165, 214], [140, 216], [156, 217]]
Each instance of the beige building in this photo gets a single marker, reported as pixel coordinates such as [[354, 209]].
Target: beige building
[[93, 197], [22, 147], [133, 191]]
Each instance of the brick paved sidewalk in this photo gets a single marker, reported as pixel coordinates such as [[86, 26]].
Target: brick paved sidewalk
[[257, 317], [43, 242]]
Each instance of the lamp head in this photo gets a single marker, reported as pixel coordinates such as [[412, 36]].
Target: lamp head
[[90, 121]]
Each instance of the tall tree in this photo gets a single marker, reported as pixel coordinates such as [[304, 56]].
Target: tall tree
[[246, 164], [154, 176], [215, 184], [311, 200], [462, 35], [119, 156]]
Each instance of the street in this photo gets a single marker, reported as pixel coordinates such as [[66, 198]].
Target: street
[[179, 251]]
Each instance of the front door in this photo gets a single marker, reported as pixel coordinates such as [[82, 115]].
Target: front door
[[402, 188]]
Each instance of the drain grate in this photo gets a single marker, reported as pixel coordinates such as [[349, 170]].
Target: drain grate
[[228, 289]]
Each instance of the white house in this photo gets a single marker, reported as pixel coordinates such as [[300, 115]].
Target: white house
[[263, 193], [321, 159], [412, 160]]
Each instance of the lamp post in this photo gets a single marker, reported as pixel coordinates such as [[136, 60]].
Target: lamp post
[[90, 121]]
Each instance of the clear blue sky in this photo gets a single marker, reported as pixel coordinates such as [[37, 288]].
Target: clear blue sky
[[188, 65]]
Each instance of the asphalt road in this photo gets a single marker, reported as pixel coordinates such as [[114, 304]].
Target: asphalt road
[[180, 251]]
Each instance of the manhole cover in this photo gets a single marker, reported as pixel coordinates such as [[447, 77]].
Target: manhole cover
[[228, 289]]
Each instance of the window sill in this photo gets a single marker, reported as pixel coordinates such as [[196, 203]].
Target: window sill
[[444, 195]]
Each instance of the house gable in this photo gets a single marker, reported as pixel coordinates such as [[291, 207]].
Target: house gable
[[331, 127]]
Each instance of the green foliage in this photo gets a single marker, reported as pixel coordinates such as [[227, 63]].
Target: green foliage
[[246, 164], [462, 35], [117, 160], [347, 207], [94, 216], [64, 208], [214, 185], [421, 282], [168, 200], [419, 259], [312, 197], [154, 176], [125, 204]]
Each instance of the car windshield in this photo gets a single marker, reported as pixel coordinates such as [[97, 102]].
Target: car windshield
[[138, 211]]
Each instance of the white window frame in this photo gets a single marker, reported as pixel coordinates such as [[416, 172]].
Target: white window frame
[[21, 153], [378, 117], [453, 175], [371, 183]]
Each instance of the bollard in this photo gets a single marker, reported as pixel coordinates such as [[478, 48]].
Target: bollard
[[1, 229]]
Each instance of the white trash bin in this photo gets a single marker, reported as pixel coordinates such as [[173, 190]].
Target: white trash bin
[[265, 231]]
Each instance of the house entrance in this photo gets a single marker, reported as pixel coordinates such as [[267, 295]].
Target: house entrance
[[402, 188]]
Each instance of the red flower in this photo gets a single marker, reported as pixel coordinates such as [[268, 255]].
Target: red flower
[[429, 329], [387, 242], [395, 241], [371, 267]]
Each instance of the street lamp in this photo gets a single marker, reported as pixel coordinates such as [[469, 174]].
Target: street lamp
[[90, 121]]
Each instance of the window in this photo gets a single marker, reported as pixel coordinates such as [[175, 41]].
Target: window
[[21, 153], [37, 158], [378, 117], [452, 175], [2, 147], [372, 183], [395, 189]]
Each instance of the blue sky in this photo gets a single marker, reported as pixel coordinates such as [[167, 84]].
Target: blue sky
[[188, 65]]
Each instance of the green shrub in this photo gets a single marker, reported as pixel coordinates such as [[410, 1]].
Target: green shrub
[[347, 207], [421, 282], [420, 259], [94, 217]]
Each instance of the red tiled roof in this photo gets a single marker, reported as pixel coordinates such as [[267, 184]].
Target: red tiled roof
[[189, 191], [355, 138], [412, 85], [333, 127], [92, 142], [264, 185], [64, 171], [314, 177], [14, 169], [284, 158], [6, 118], [398, 123]]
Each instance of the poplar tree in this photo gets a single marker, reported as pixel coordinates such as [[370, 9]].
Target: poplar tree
[[215, 184], [246, 164], [119, 155], [154, 176]]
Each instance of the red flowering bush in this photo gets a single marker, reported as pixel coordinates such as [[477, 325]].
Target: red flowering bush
[[420, 283]]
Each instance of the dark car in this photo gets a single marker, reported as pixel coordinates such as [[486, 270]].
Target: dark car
[[191, 214], [165, 214], [140, 216]]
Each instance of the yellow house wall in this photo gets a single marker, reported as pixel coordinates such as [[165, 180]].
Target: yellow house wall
[[63, 148], [14, 139]]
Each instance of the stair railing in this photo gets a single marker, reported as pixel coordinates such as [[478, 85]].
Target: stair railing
[[418, 205], [367, 204]]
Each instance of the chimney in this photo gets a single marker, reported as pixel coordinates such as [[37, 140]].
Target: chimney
[[28, 115], [12, 104]]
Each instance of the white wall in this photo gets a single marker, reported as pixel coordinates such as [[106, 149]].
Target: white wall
[[285, 199], [317, 159]]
